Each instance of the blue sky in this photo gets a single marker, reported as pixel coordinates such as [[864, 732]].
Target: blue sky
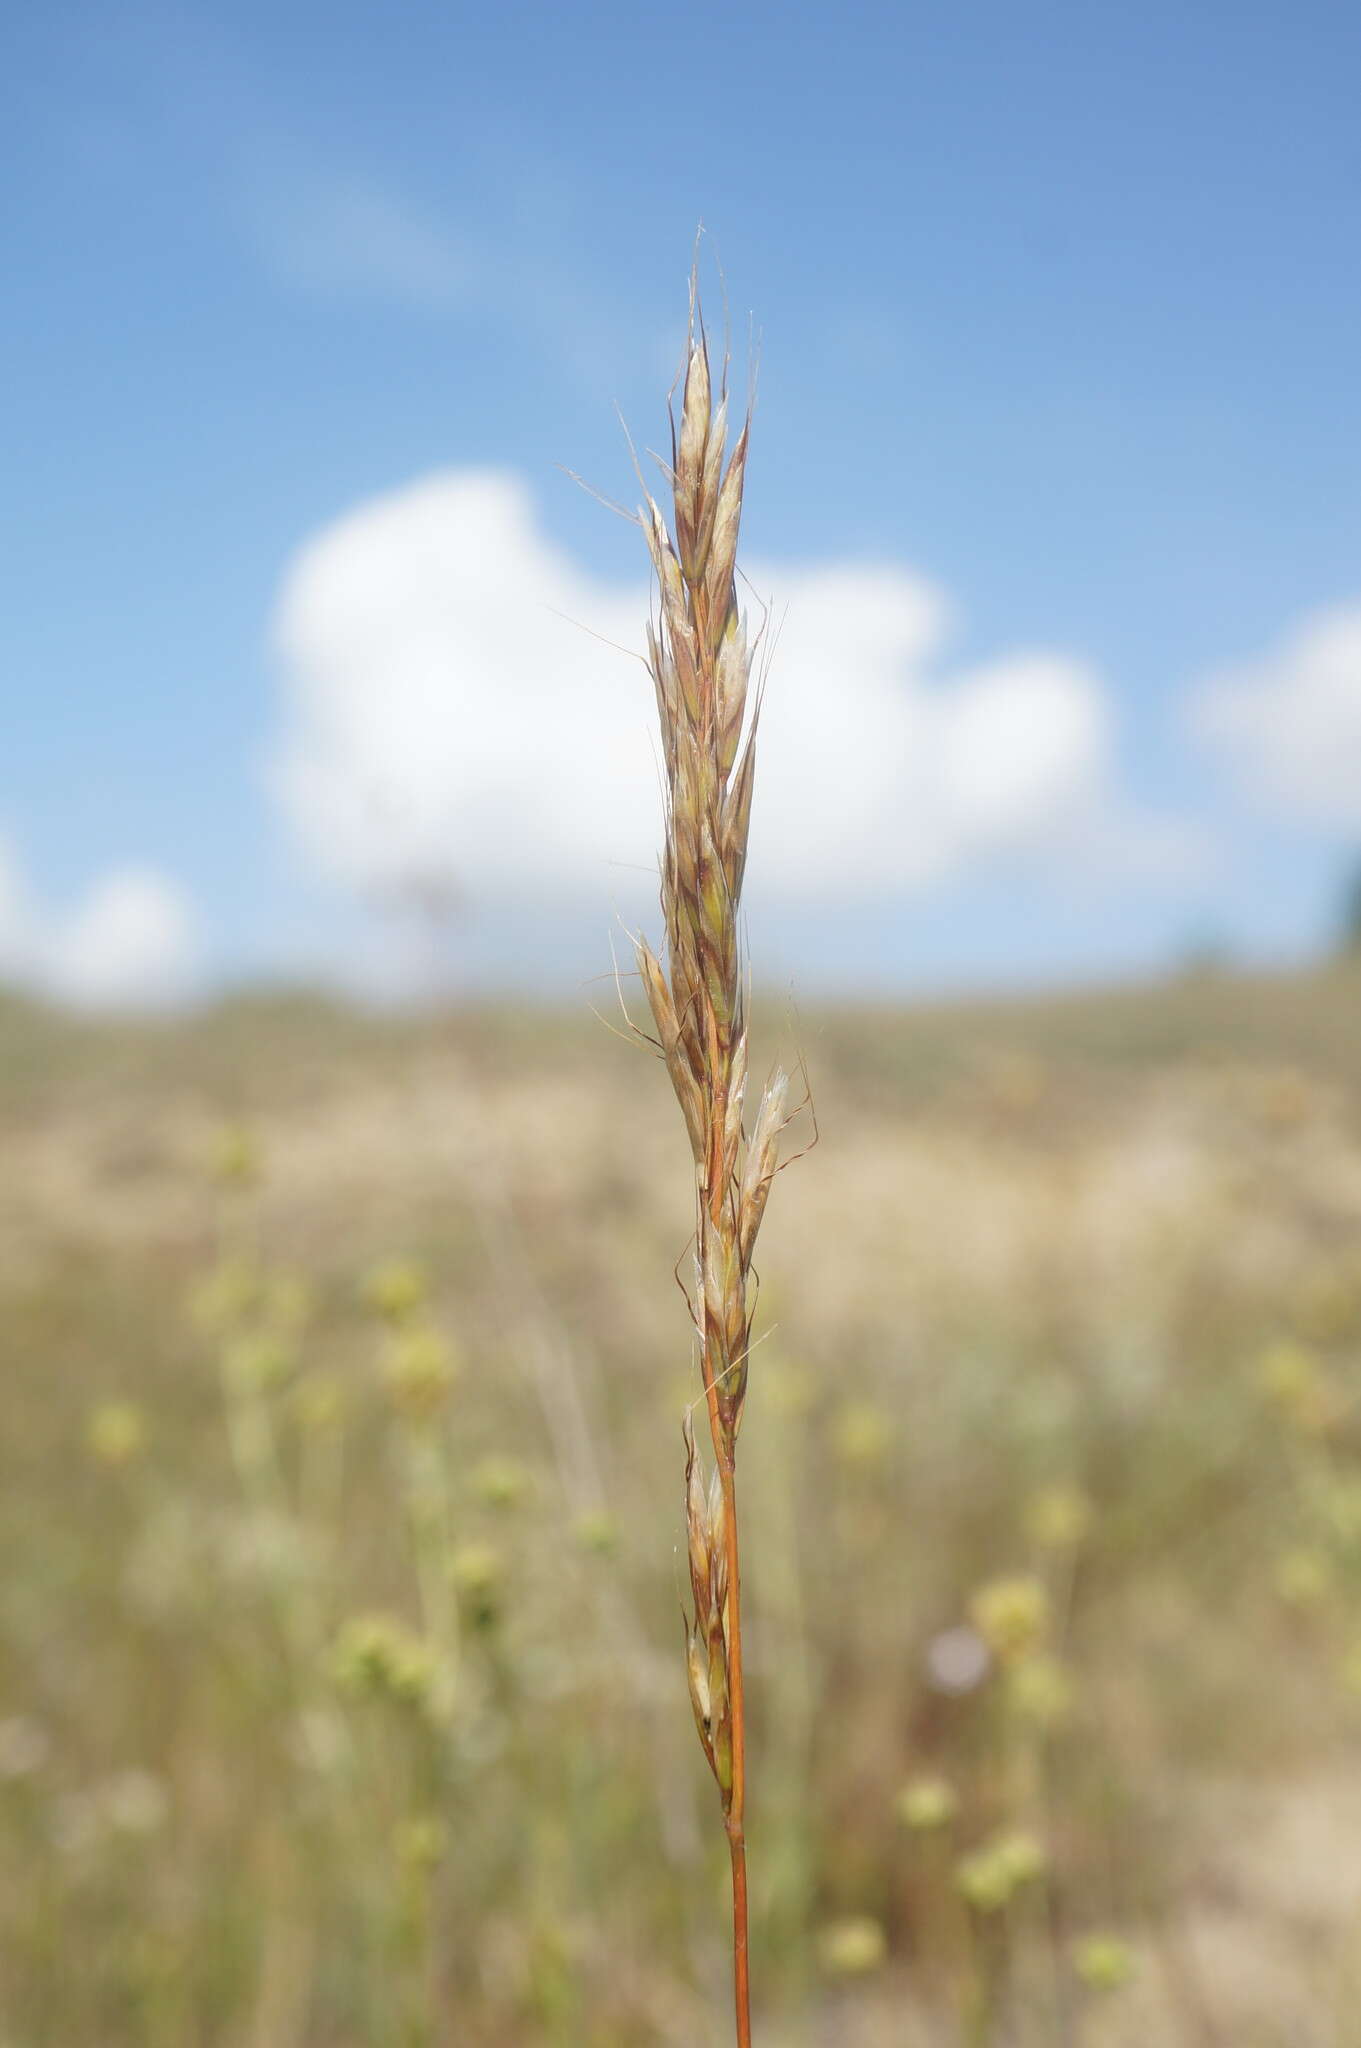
[[1059, 313]]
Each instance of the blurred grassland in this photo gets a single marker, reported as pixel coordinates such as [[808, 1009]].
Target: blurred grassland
[[341, 1687]]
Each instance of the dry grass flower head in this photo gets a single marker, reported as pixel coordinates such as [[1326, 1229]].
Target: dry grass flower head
[[700, 657]]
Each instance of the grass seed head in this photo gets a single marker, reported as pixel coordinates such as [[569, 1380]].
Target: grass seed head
[[1103, 1962], [853, 1946], [258, 1363], [395, 1289], [419, 1369], [925, 1804], [115, 1433], [1011, 1615], [990, 1878], [700, 659], [379, 1657], [502, 1482]]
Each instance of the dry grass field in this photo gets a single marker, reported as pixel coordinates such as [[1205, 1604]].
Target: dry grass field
[[342, 1694]]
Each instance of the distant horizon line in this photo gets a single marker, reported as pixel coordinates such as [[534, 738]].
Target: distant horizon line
[[278, 990]]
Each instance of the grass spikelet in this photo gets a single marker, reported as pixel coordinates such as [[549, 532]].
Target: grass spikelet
[[700, 659]]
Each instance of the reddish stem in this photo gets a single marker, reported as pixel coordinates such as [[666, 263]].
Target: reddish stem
[[735, 1816]]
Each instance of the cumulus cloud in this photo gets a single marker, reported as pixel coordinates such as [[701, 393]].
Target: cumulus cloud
[[12, 910], [129, 942], [447, 722], [1289, 724]]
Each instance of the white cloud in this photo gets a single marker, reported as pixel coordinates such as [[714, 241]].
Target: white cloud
[[13, 912], [442, 719], [444, 722], [883, 773], [1289, 724], [129, 943]]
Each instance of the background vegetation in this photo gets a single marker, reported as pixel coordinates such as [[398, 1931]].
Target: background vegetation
[[341, 1534]]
